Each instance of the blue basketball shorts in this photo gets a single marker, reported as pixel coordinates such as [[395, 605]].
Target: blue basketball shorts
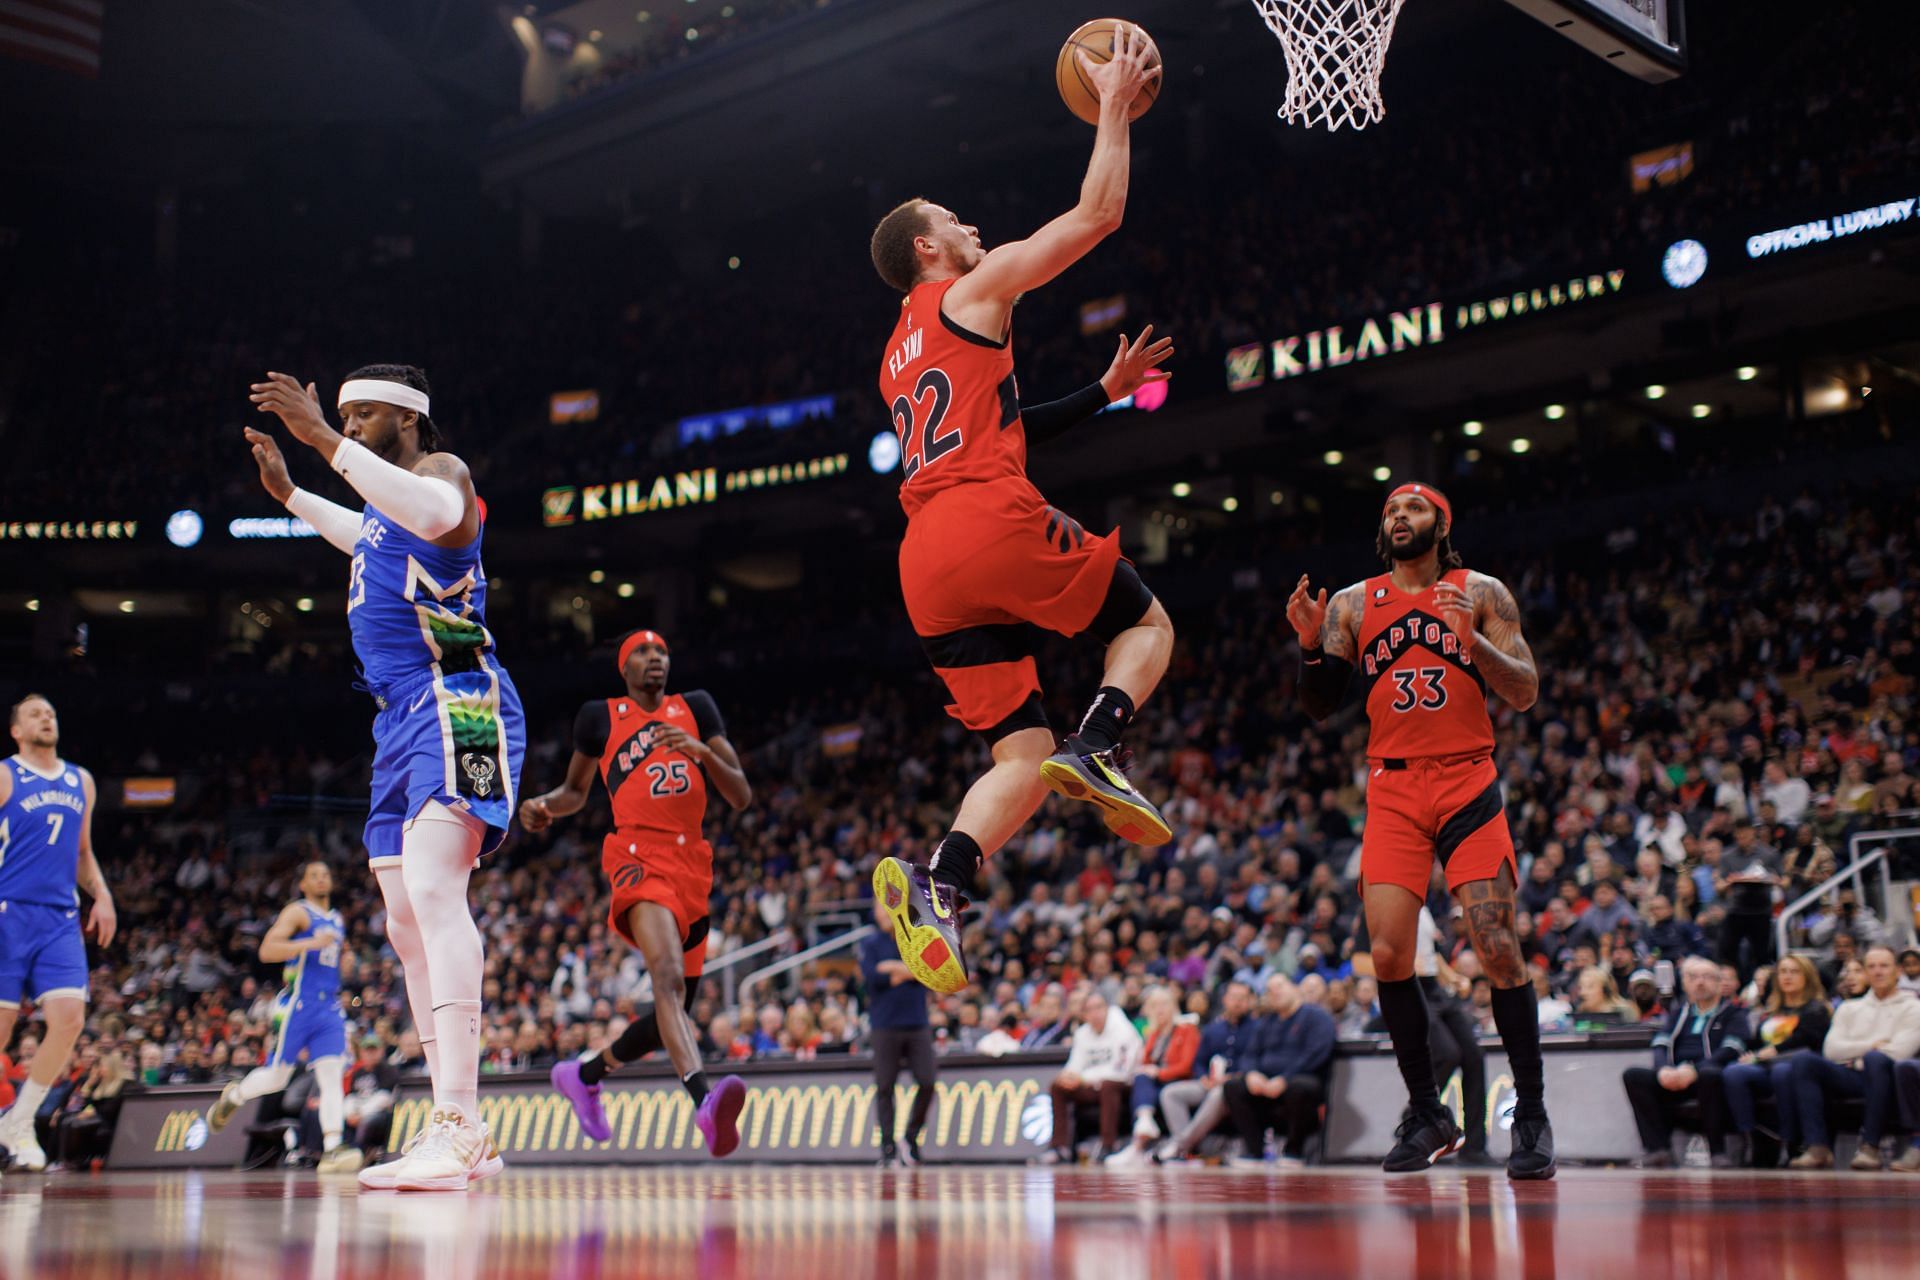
[[42, 953], [459, 739]]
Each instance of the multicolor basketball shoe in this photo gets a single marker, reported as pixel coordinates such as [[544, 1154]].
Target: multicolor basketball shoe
[[1100, 778], [926, 923]]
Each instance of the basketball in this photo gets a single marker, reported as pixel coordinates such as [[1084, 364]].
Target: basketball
[[1097, 38]]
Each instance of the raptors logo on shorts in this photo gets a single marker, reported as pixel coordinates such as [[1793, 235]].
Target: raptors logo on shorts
[[1432, 790]]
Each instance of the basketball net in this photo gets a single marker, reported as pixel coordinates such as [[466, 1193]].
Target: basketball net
[[1336, 50]]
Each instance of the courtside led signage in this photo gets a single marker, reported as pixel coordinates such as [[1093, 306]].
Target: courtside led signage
[[1821, 230]]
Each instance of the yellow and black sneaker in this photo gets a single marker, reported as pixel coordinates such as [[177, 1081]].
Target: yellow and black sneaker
[[926, 923], [1100, 778]]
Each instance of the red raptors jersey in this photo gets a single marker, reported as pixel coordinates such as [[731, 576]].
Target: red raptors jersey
[[955, 405], [658, 794], [1423, 696]]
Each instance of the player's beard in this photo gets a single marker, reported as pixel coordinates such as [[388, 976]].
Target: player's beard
[[1415, 546]]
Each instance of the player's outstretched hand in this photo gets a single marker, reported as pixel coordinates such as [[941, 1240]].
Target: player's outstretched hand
[[1120, 79], [534, 815], [1136, 365], [1307, 614], [272, 464], [296, 406], [1456, 609], [103, 922]]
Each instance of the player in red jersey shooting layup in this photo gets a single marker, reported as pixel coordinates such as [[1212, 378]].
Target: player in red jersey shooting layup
[[657, 754], [1429, 639], [985, 560]]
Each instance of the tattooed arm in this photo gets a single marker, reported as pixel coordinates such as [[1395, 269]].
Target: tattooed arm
[[1487, 622], [1329, 634]]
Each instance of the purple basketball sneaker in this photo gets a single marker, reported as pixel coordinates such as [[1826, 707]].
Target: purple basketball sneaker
[[585, 1099], [718, 1113]]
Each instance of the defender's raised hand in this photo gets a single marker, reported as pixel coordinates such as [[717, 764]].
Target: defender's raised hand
[[272, 464], [297, 407]]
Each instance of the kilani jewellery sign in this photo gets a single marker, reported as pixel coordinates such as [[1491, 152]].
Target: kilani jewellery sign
[[68, 530], [1375, 337], [568, 504]]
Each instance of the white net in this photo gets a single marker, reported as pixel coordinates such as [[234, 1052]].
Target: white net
[[1336, 50]]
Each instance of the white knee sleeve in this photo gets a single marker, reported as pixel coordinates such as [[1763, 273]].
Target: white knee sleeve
[[329, 1076], [262, 1081]]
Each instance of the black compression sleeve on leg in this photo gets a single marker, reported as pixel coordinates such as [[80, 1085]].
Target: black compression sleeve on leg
[[1404, 1006], [1056, 417], [1323, 682], [641, 1038], [1516, 1015]]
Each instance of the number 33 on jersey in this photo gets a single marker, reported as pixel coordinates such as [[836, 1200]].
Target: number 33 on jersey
[[1423, 696], [954, 401]]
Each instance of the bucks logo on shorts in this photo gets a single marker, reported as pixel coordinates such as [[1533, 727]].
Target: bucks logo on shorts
[[473, 716]]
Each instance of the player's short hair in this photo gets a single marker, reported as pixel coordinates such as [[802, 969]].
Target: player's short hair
[[13, 712], [893, 253], [409, 375]]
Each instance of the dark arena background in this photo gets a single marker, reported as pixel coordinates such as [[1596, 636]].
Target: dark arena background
[[1637, 288]]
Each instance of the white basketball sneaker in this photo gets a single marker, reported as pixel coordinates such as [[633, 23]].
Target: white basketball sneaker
[[445, 1160], [21, 1144], [486, 1157], [380, 1177]]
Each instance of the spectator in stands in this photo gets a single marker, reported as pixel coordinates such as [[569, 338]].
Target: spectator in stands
[[1644, 990], [1609, 910], [1050, 1026], [728, 1044], [1598, 999], [1847, 916], [1789, 796], [1795, 1023], [82, 1130], [1167, 1057], [1286, 1076], [1099, 1071], [1701, 1038], [1752, 871], [1195, 1108], [1910, 970], [1668, 937], [1906, 1088], [901, 1032], [372, 1086], [766, 1036], [1554, 1012], [1869, 1034], [1843, 949]]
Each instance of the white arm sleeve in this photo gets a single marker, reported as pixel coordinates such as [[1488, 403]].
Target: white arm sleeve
[[332, 521], [425, 506]]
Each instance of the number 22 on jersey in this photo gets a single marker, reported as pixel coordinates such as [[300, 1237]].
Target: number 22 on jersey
[[931, 444]]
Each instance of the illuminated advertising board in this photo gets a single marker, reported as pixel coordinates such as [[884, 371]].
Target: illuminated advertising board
[[565, 505], [68, 530], [1376, 337]]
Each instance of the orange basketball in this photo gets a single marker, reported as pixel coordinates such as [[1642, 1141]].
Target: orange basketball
[[1096, 39]]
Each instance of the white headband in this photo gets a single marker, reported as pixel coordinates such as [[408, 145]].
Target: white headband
[[381, 391]]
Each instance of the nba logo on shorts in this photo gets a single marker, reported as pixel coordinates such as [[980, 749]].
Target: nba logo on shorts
[[480, 772]]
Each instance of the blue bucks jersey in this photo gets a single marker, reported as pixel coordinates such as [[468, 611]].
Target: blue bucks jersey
[[415, 608], [40, 835], [314, 976]]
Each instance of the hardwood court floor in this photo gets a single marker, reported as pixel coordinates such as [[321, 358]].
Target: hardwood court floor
[[966, 1223]]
